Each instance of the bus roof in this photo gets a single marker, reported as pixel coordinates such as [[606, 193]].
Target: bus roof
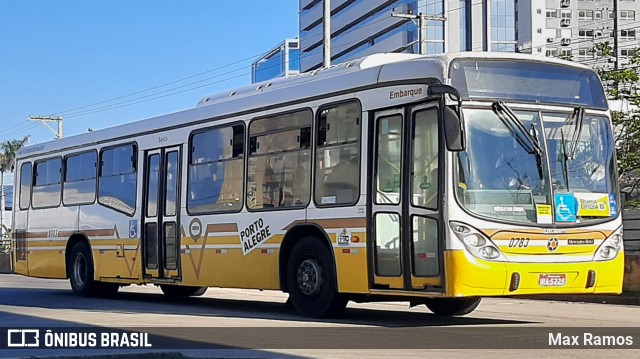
[[360, 73]]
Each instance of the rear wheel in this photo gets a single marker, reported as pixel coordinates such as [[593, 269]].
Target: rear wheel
[[180, 291], [81, 274], [452, 306], [311, 280]]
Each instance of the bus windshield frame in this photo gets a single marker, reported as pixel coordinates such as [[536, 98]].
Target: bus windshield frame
[[500, 179], [527, 81]]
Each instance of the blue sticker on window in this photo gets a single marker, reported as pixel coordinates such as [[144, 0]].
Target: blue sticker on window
[[565, 208], [133, 228], [613, 206]]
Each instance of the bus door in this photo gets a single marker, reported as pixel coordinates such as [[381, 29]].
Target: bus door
[[161, 213], [406, 200]]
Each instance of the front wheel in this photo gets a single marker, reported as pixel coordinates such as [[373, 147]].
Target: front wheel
[[452, 306], [311, 280]]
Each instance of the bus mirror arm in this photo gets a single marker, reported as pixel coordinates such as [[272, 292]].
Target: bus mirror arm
[[451, 119], [441, 90]]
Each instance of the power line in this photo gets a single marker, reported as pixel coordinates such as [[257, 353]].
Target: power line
[[74, 111]]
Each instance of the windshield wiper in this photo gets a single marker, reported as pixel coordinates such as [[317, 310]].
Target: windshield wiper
[[526, 139], [534, 135], [565, 161], [578, 118]]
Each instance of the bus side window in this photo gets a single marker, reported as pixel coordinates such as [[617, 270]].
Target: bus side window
[[216, 170], [117, 181], [47, 183], [338, 155], [79, 185], [279, 159], [25, 185]]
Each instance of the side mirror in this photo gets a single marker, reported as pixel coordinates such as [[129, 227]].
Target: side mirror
[[453, 130]]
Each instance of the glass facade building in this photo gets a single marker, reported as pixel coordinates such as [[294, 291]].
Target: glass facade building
[[281, 61], [503, 25], [363, 27]]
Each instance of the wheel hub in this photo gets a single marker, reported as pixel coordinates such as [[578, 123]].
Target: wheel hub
[[310, 278]]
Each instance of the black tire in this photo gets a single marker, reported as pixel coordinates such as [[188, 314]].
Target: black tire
[[311, 280], [81, 273], [179, 291], [448, 307]]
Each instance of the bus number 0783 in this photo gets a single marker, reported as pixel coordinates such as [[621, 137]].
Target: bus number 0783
[[519, 242]]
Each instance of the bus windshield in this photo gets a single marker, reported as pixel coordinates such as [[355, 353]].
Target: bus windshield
[[571, 179]]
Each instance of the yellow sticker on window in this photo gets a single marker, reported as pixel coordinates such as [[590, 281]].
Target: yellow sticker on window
[[543, 213], [592, 204]]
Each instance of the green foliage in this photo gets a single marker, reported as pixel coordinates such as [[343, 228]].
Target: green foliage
[[622, 84], [8, 151]]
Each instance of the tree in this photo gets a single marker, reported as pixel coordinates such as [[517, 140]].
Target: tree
[[622, 85], [9, 149]]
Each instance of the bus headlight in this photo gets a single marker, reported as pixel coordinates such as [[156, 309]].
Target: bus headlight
[[489, 252], [474, 240], [610, 248], [476, 243]]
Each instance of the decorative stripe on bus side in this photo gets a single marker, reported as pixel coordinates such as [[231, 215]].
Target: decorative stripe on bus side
[[355, 222]]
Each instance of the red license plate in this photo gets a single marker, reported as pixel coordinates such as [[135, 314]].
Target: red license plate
[[552, 280]]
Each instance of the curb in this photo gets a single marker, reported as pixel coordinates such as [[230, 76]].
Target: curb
[[630, 298]]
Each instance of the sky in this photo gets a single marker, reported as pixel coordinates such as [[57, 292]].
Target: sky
[[103, 63]]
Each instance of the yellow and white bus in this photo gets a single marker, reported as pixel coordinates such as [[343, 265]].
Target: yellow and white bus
[[436, 180]]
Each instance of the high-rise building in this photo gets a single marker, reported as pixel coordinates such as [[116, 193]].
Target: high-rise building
[[281, 61], [573, 27], [562, 28]]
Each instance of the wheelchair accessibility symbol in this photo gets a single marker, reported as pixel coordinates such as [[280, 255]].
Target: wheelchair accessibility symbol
[[133, 228], [565, 208]]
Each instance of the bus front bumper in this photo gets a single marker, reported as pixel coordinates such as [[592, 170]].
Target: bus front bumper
[[469, 276]]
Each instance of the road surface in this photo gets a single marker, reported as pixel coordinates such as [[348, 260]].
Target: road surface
[[249, 323]]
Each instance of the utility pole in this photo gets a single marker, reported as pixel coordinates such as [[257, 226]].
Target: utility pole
[[326, 24], [616, 65], [44, 121], [422, 25]]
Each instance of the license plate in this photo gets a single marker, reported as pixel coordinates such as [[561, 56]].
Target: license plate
[[552, 280]]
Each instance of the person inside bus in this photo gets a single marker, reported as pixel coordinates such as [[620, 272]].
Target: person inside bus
[[271, 185], [511, 171], [342, 180], [300, 185]]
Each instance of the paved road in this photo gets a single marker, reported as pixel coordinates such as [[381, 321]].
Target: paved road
[[260, 323]]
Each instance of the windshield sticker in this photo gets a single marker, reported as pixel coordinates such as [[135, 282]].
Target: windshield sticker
[[565, 208], [613, 207], [509, 209], [543, 213], [592, 204]]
